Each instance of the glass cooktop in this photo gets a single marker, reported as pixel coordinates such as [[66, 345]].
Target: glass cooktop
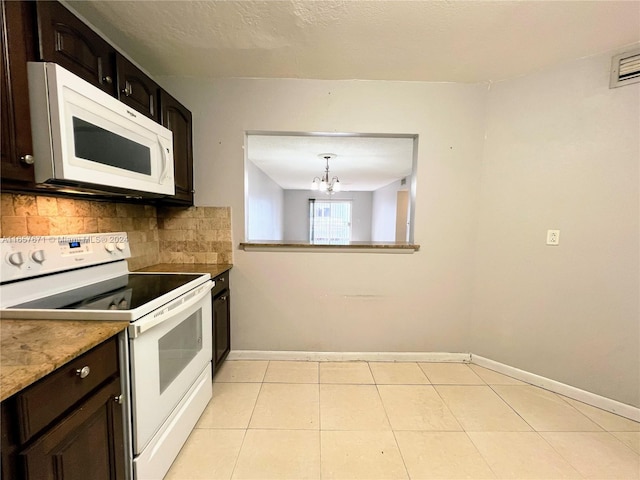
[[126, 292]]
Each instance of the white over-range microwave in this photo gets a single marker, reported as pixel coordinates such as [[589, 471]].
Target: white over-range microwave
[[85, 139]]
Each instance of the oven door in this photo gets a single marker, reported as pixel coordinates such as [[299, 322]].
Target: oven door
[[169, 349]]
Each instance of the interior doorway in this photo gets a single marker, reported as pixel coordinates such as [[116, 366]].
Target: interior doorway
[[402, 216]]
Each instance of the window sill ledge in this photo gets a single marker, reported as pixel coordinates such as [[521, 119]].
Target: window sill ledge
[[352, 247]]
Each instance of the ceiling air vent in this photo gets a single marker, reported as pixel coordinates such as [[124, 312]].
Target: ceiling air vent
[[625, 69]]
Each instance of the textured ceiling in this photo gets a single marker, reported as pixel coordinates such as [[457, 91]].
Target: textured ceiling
[[451, 41], [361, 163], [436, 41]]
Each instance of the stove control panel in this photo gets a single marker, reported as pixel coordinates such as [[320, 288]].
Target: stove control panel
[[30, 256]]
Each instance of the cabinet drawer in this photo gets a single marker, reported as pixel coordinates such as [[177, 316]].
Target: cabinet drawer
[[46, 400], [222, 283]]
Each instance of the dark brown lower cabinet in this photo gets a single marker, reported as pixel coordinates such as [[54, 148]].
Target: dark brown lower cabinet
[[68, 425], [86, 444], [221, 324], [221, 301]]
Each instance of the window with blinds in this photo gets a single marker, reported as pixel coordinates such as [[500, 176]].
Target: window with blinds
[[330, 221]]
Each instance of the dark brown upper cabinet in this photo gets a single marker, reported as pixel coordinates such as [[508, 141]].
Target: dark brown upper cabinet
[[136, 89], [177, 118], [67, 41], [47, 31], [17, 43]]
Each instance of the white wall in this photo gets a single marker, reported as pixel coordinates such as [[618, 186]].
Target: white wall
[[562, 152], [341, 301], [383, 222], [265, 205], [296, 213]]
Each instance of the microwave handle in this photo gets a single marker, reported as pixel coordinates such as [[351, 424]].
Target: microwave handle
[[169, 310], [165, 160]]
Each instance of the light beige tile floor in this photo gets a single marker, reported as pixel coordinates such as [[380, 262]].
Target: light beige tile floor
[[376, 420]]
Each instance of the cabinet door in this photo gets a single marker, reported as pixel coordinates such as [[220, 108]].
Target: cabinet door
[[9, 446], [136, 89], [177, 118], [67, 41], [17, 44], [87, 444], [221, 326]]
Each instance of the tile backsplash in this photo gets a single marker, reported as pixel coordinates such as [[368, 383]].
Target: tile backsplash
[[156, 235], [195, 235]]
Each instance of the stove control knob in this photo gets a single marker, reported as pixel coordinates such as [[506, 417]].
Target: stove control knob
[[38, 256], [15, 259], [120, 246], [109, 247]]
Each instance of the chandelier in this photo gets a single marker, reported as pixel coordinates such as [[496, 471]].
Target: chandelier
[[323, 183]]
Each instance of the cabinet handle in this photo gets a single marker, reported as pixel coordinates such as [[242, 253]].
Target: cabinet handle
[[221, 279], [223, 298], [128, 89], [27, 159], [118, 399], [83, 372], [107, 80]]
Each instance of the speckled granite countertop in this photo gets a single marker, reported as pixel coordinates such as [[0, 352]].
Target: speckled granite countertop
[[30, 349], [214, 269]]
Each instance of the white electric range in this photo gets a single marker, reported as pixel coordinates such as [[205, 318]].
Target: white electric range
[[165, 354]]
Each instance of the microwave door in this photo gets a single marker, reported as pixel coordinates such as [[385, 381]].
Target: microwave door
[[115, 149], [93, 140]]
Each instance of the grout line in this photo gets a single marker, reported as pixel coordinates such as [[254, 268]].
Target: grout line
[[446, 405], [424, 373], [384, 408], [511, 406], [235, 463], [246, 430], [594, 421], [623, 443], [559, 454], [486, 460], [253, 410]]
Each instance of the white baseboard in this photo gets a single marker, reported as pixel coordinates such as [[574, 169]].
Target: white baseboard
[[350, 356], [599, 401]]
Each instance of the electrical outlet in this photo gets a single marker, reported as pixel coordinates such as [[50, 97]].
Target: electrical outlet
[[553, 237]]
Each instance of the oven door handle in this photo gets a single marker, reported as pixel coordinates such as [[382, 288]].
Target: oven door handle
[[171, 309]]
